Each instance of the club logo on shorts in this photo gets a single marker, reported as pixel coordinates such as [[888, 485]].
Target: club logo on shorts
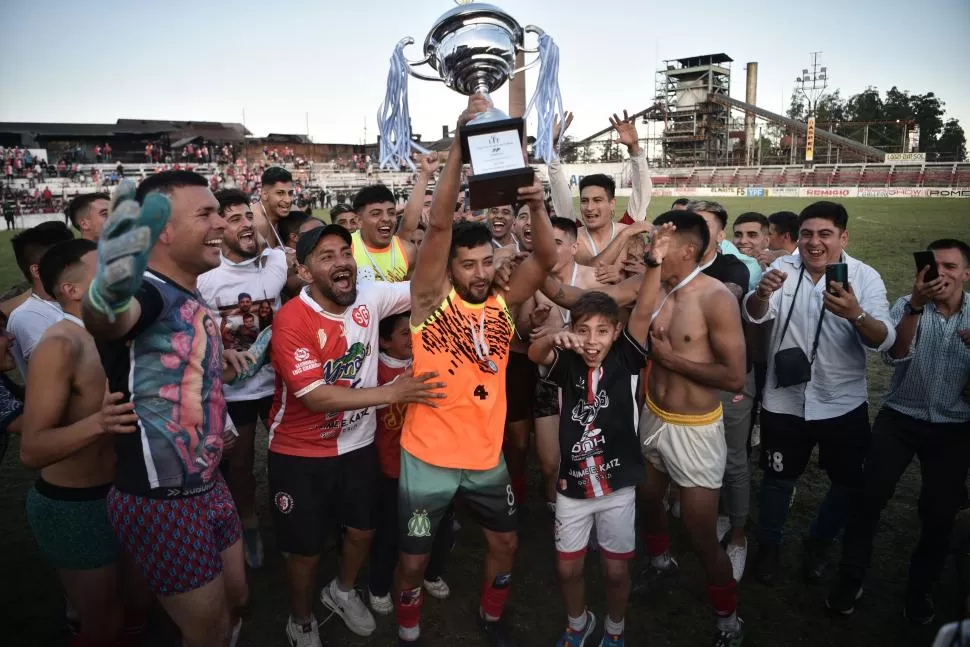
[[284, 502], [361, 316], [301, 354], [419, 525]]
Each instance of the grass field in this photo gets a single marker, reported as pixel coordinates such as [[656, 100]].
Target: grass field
[[883, 233]]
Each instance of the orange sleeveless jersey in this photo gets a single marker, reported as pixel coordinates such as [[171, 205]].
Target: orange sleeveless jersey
[[465, 431]]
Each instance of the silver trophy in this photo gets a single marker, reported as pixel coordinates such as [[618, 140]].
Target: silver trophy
[[472, 50]]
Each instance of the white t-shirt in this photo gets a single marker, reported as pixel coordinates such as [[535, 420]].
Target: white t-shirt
[[245, 298], [27, 323]]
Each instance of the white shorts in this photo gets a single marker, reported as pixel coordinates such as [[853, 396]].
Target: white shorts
[[691, 449], [614, 515]]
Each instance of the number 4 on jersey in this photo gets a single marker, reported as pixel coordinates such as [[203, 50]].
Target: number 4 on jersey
[[480, 392]]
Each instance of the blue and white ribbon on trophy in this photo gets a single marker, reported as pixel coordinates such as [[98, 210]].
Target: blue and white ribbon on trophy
[[394, 117], [547, 100]]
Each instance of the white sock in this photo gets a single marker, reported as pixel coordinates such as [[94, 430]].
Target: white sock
[[409, 633], [342, 595], [661, 561], [613, 627], [728, 623], [299, 622], [578, 624]]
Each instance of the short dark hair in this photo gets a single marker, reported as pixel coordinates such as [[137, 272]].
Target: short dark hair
[[61, 257], [594, 303], [274, 175], [566, 225], [605, 182], [831, 211], [386, 327], [785, 222], [79, 204], [230, 198], [709, 206], [680, 202], [167, 181], [29, 245], [291, 224], [751, 216], [373, 194], [951, 243], [468, 235], [339, 210], [244, 295], [690, 224]]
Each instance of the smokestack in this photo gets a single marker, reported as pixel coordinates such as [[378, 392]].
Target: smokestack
[[751, 97], [444, 131]]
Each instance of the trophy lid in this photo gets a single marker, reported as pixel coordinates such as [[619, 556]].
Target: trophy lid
[[465, 14]]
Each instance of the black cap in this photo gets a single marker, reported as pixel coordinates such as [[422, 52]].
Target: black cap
[[309, 240]]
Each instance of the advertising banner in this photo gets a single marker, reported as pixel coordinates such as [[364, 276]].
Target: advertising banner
[[905, 158], [810, 140]]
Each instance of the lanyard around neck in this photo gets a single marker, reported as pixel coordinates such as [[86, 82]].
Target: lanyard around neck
[[373, 262], [690, 277], [592, 244]]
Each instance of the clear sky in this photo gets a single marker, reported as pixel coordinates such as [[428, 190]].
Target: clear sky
[[281, 61]]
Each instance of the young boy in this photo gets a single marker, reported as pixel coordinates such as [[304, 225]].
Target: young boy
[[394, 360], [597, 365]]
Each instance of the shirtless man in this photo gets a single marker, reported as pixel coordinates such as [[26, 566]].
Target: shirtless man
[[500, 221], [597, 202], [539, 317], [275, 198], [68, 428], [697, 348], [461, 326]]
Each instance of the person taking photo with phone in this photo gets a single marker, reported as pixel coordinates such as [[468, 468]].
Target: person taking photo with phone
[[927, 413], [816, 392]]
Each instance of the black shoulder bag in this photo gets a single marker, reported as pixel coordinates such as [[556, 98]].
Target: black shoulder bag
[[792, 367]]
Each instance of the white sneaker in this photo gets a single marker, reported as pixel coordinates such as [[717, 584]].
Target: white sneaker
[[756, 435], [234, 638], [351, 609], [381, 604], [437, 588], [723, 527], [738, 556], [303, 635]]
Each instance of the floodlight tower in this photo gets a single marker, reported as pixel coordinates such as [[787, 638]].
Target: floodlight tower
[[811, 84]]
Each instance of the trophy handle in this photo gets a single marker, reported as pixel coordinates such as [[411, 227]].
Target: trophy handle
[[528, 66], [412, 64]]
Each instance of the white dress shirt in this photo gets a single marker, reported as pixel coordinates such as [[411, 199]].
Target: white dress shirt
[[838, 383]]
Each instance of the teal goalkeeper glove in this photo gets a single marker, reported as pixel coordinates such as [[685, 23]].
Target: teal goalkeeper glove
[[126, 241], [258, 354]]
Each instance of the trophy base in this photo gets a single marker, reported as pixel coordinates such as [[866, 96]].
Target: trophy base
[[498, 189], [499, 168]]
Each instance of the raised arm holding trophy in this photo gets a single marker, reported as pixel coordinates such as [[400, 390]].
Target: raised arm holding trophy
[[472, 50]]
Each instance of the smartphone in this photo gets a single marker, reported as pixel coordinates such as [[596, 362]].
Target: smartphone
[[837, 272], [924, 259]]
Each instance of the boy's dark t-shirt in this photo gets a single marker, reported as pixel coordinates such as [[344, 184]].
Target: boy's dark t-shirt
[[598, 440]]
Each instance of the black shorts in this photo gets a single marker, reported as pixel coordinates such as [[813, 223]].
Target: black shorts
[[787, 443], [520, 387], [310, 496], [425, 493], [245, 412], [547, 398]]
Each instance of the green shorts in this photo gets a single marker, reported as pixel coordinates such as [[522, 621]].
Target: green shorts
[[71, 526], [425, 491]]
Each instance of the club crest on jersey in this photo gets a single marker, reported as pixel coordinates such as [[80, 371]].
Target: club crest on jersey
[[419, 525], [348, 366], [301, 354], [284, 502], [361, 316]]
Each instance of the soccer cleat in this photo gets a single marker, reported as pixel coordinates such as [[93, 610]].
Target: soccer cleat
[[128, 237], [919, 608], [738, 556], [573, 638], [303, 635], [843, 597], [609, 640], [437, 588], [723, 527], [381, 604], [496, 633], [767, 563], [651, 575], [253, 547], [351, 610], [730, 638]]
